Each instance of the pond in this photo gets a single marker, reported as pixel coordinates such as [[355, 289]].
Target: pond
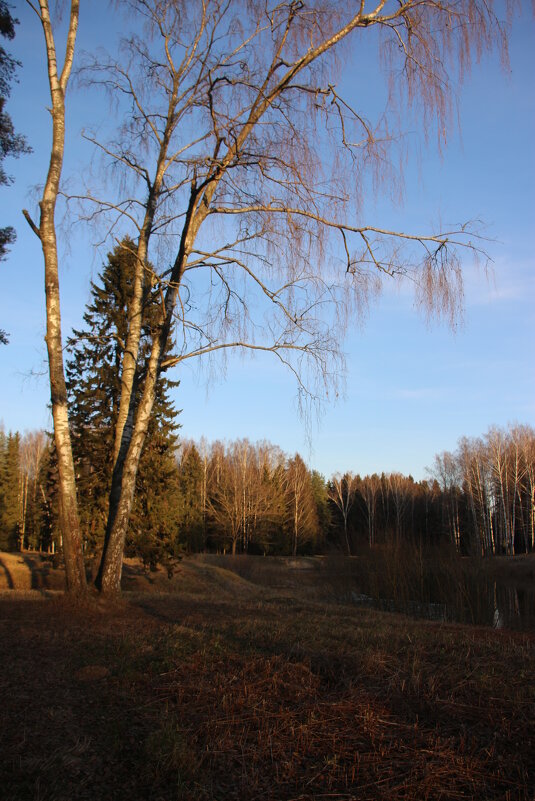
[[480, 602]]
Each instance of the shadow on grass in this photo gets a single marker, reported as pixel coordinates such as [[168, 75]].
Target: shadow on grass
[[7, 574], [174, 697]]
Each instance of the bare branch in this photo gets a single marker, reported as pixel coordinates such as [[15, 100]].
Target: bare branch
[[31, 223]]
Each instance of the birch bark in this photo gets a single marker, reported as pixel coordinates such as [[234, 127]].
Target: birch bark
[[46, 231]]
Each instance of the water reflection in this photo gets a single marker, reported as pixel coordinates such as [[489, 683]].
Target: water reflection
[[514, 607], [483, 603]]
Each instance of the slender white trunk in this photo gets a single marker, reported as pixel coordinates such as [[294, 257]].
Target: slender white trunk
[[68, 509]]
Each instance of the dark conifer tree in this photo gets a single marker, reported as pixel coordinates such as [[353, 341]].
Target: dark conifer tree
[[93, 385], [323, 511], [11, 144], [43, 523], [190, 489], [47, 511], [9, 491]]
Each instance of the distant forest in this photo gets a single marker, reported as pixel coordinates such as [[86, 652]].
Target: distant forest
[[243, 497]]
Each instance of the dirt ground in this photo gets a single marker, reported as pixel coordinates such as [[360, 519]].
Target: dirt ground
[[211, 686]]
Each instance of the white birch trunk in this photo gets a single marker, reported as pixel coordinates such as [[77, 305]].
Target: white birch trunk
[[69, 523]]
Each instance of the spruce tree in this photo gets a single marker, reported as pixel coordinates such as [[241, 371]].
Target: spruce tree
[[9, 491], [190, 488], [93, 385], [43, 522], [323, 511], [11, 143]]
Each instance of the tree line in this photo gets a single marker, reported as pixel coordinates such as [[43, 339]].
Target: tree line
[[242, 497]]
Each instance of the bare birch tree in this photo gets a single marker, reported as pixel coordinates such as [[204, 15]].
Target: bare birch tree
[[369, 489], [243, 499], [58, 79], [301, 513], [446, 471], [474, 469], [241, 171], [342, 491], [498, 459], [32, 449], [400, 493], [526, 436]]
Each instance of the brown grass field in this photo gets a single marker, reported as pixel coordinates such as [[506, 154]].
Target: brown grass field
[[214, 685]]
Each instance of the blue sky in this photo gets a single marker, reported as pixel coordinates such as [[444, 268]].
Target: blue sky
[[411, 389]]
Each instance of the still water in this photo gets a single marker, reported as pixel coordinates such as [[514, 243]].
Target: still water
[[483, 602]]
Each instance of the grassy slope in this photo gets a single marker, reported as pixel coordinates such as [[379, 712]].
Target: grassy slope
[[226, 690]]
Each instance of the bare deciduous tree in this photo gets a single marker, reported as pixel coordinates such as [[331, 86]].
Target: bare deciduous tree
[[474, 469], [342, 491], [243, 498], [526, 435], [370, 488], [446, 471], [32, 449], [301, 513], [241, 170], [46, 232]]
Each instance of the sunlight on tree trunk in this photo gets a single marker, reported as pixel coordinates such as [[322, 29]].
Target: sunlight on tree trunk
[[46, 231]]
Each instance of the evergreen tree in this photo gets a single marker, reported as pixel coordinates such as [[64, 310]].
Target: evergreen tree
[[323, 511], [43, 523], [94, 388], [190, 479], [45, 514], [11, 144], [9, 491]]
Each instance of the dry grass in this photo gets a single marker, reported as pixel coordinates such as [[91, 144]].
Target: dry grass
[[15, 572], [226, 691]]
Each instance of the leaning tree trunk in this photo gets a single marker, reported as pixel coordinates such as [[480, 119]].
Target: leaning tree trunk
[[128, 453], [124, 483], [68, 508]]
